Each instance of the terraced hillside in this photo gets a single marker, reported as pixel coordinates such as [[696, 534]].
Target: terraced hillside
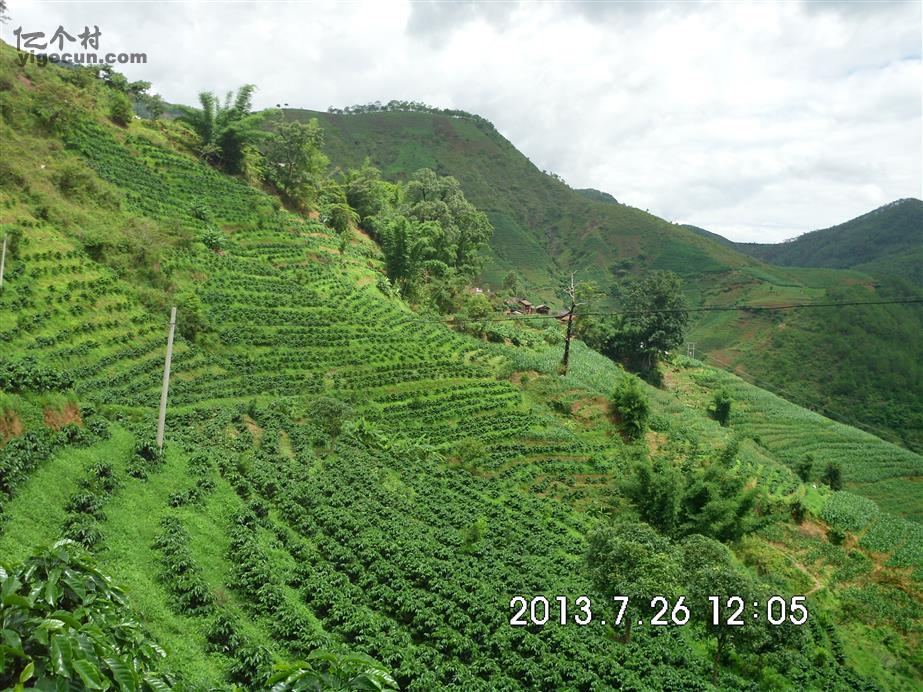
[[542, 227], [866, 372], [345, 474]]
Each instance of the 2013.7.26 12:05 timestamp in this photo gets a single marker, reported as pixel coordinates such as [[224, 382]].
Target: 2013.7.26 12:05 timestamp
[[729, 611]]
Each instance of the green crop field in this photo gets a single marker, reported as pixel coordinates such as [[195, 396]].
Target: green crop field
[[543, 230], [344, 474]]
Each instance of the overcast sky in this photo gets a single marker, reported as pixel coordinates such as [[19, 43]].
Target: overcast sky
[[755, 120]]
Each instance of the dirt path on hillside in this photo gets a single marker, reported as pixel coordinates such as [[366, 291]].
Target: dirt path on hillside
[[817, 583]]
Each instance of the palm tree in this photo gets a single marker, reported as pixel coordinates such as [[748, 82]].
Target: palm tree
[[225, 129]]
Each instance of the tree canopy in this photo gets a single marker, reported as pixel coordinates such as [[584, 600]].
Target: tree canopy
[[227, 131], [465, 229], [653, 320], [295, 162], [633, 560]]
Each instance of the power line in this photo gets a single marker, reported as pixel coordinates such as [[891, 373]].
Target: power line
[[704, 308]]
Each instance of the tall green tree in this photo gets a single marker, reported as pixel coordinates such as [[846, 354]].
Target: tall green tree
[[720, 408], [717, 502], [227, 130], [805, 467], [511, 282], [372, 198], [409, 246], [155, 104], [654, 320], [633, 560], [655, 488], [724, 581], [714, 500], [295, 162], [833, 476], [465, 229]]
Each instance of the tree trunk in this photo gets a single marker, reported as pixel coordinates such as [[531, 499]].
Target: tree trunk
[[570, 322], [626, 635]]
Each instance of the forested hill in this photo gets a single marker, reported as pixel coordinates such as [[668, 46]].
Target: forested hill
[[868, 371], [344, 477], [887, 241], [542, 227]]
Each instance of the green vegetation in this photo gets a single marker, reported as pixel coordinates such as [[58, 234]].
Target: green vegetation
[[351, 492], [630, 407], [64, 624], [720, 410], [877, 241], [295, 162], [227, 132], [866, 370], [653, 321]]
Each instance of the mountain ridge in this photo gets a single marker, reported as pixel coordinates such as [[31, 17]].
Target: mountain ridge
[[343, 475], [887, 240], [543, 230]]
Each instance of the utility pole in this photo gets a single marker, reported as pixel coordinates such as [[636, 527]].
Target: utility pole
[[161, 419], [690, 349], [2, 260], [572, 292]]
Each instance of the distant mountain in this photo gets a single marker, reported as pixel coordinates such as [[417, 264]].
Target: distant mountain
[[542, 227], [597, 195], [885, 241], [711, 236]]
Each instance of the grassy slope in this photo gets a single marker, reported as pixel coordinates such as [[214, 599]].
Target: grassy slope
[[542, 478], [881, 236], [544, 228]]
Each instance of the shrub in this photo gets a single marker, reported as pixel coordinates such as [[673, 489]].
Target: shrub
[[630, 406], [720, 408], [121, 111], [805, 468], [192, 318], [328, 414], [470, 452], [75, 182], [147, 457], [340, 217], [200, 210], [28, 375], [213, 238], [75, 632], [833, 476]]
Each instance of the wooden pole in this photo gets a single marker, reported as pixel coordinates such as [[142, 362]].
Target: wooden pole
[[161, 419], [570, 322], [572, 292], [2, 261]]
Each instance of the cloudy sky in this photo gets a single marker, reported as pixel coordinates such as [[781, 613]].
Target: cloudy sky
[[757, 120]]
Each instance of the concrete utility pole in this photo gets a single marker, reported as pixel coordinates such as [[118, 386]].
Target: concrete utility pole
[[2, 261], [161, 419], [572, 292], [690, 349]]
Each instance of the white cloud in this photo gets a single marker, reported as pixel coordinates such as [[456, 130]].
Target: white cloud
[[756, 120]]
